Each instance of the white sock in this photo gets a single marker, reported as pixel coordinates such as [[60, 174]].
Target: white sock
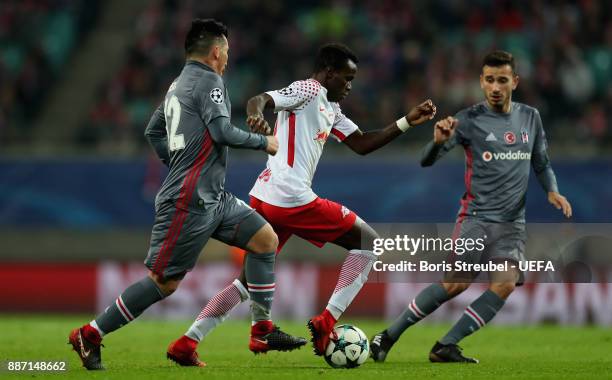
[[217, 310], [95, 326], [353, 275]]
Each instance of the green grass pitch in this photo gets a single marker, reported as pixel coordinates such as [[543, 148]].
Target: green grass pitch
[[138, 352]]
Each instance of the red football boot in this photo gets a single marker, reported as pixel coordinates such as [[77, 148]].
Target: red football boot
[[86, 342], [265, 337], [183, 352], [320, 327]]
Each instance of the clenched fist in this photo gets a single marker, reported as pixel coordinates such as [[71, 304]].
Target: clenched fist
[[444, 129]]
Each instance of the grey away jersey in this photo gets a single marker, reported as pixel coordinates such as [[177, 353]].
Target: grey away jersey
[[499, 150], [190, 132]]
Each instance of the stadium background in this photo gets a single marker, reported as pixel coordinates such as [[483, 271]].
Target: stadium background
[[79, 80]]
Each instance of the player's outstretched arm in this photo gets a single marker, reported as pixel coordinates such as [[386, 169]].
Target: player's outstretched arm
[[255, 118], [157, 136], [223, 132], [444, 140], [367, 142]]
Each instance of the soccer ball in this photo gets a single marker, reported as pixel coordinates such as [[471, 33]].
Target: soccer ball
[[348, 347]]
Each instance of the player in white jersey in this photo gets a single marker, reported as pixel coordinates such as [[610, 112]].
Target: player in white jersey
[[306, 118], [308, 113]]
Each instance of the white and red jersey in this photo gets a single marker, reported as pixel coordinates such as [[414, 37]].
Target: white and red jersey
[[304, 122]]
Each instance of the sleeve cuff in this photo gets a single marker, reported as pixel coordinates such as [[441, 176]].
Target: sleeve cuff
[[339, 135], [276, 98]]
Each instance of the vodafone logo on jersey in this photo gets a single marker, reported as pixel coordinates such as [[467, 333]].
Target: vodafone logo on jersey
[[510, 156]]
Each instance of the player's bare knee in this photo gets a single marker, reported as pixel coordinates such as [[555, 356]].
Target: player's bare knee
[[455, 288], [272, 242], [503, 289], [269, 242], [264, 241], [167, 286], [367, 235]]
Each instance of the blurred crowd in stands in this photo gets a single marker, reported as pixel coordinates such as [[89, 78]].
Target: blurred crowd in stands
[[37, 38], [408, 51]]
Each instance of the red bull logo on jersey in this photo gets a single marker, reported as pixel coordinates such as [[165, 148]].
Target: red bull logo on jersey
[[265, 175], [511, 156], [321, 136]]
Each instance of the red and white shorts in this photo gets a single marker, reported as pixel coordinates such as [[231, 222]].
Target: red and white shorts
[[320, 221]]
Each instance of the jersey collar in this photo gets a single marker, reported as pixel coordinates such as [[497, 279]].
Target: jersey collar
[[488, 107], [323, 89], [199, 64]]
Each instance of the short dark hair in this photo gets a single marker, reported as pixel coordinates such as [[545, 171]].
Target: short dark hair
[[333, 55], [499, 58], [203, 34]]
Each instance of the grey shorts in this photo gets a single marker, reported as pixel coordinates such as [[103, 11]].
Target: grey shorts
[[178, 235], [503, 242]]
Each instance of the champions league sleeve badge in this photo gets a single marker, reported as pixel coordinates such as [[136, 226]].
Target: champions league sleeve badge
[[216, 95]]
